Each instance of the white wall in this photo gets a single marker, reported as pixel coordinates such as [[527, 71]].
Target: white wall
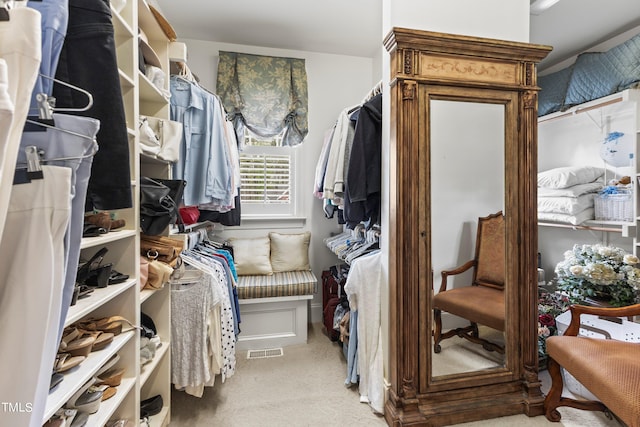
[[335, 82]]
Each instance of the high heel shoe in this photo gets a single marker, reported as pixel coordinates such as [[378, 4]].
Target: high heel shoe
[[94, 262], [75, 343], [108, 374], [112, 378]]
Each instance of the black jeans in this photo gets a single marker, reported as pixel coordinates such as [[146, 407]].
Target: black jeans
[[88, 60]]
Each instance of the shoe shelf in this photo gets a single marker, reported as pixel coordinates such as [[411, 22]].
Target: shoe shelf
[[98, 298], [149, 368], [112, 236], [109, 407], [79, 375]]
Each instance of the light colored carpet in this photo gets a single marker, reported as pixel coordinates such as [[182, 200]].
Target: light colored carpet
[[305, 387]]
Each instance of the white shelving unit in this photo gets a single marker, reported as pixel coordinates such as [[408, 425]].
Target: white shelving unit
[[126, 299], [155, 377], [575, 137]]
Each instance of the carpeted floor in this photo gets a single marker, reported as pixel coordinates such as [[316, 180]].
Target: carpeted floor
[[305, 387]]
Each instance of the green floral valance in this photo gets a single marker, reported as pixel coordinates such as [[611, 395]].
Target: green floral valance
[[266, 94]]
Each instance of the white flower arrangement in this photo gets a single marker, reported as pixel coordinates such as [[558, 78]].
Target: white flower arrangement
[[598, 271]]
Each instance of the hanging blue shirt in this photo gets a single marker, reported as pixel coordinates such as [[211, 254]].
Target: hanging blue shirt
[[204, 162]]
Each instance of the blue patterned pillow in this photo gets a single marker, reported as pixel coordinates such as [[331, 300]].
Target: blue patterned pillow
[[553, 90]]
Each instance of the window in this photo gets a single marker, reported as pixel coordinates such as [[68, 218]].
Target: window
[[267, 177]]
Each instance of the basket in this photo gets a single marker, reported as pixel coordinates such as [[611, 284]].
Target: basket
[[614, 207]]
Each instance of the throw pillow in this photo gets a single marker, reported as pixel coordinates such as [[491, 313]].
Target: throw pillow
[[251, 256], [290, 252]]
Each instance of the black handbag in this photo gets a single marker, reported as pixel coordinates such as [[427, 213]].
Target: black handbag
[[176, 190], [157, 208]]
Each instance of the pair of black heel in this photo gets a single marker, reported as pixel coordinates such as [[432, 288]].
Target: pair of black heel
[[93, 274]]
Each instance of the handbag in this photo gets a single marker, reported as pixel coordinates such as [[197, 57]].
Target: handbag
[[189, 214], [144, 272], [160, 138], [157, 208], [162, 248], [159, 273], [149, 141]]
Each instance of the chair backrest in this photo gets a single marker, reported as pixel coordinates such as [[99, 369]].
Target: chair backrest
[[490, 266]]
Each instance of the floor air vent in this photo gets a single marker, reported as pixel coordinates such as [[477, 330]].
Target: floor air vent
[[264, 353]]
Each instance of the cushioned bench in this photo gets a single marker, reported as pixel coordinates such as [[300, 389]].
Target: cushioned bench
[[273, 309], [283, 284], [275, 284]]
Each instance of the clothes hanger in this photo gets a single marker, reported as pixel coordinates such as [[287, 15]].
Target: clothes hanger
[[46, 104], [33, 169]]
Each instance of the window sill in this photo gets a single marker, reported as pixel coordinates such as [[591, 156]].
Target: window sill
[[264, 221]]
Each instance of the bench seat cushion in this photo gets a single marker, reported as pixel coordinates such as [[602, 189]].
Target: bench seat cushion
[[607, 368], [282, 284]]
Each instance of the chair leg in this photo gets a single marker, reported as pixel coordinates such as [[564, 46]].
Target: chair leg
[[554, 398], [437, 330]]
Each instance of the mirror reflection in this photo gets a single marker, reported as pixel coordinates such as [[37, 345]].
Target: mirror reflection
[[467, 235]]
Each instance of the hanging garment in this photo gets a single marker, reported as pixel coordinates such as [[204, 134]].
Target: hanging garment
[[363, 288], [88, 60], [228, 341], [54, 20], [78, 150], [204, 162], [364, 174], [193, 334], [21, 52], [31, 280]]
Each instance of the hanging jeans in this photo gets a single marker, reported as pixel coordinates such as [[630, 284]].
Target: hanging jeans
[[20, 49], [31, 277], [55, 16], [79, 151], [88, 60]]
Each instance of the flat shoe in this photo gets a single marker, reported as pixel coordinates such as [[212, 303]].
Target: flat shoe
[[85, 400], [64, 362]]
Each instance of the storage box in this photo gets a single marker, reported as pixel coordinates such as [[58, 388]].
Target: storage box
[[594, 326], [614, 207]]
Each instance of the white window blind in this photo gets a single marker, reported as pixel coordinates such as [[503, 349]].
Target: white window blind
[[265, 179]]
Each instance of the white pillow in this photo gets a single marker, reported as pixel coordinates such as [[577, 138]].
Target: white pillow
[[251, 256], [290, 252], [569, 176]]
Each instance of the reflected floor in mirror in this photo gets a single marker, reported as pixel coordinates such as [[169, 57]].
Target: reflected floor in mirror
[[305, 387], [459, 355]]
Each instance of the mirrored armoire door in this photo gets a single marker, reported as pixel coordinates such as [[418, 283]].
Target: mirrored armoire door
[[462, 271]]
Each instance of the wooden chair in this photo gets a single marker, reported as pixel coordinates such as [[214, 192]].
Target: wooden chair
[[481, 302], [609, 369]]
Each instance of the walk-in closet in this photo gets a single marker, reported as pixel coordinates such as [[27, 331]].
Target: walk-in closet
[[306, 213]]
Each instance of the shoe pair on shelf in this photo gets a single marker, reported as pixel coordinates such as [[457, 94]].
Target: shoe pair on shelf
[[94, 274], [98, 389], [103, 220]]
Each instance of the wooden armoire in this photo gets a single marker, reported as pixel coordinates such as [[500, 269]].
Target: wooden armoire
[[432, 73]]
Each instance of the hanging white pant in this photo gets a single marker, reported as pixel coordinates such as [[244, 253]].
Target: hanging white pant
[[31, 281], [20, 48]]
